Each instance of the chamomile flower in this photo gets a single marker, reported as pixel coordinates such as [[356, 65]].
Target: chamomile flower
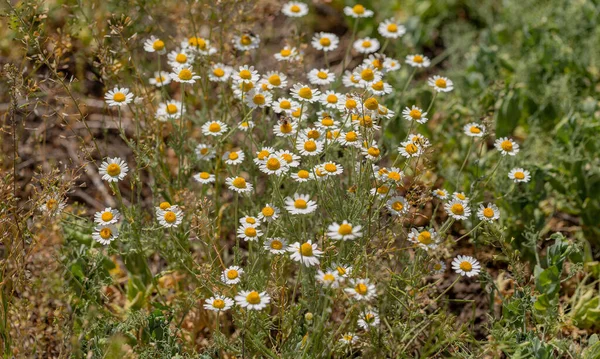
[[250, 220], [214, 128], [506, 146], [466, 266], [252, 300], [380, 88], [234, 157], [332, 100], [409, 149], [160, 79], [393, 174], [309, 147], [204, 177], [320, 77], [332, 169], [284, 105], [105, 234], [119, 96], [312, 133], [205, 152], [441, 84], [249, 232], [246, 74], [198, 45], [154, 44], [304, 93], [367, 45], [305, 253], [519, 175], [292, 160], [302, 176], [369, 319], [397, 205], [276, 79], [350, 80], [350, 139], [52, 205], [319, 173], [218, 303], [276, 245], [366, 75], [180, 57], [328, 279], [300, 204], [294, 9], [170, 217], [440, 193], [325, 41], [461, 196], [344, 232], [287, 54], [390, 29], [246, 125], [260, 99], [268, 213], [488, 213], [163, 206], [438, 267], [415, 113], [458, 209], [238, 184], [361, 289], [232, 275], [371, 152], [418, 60], [113, 169], [107, 216], [263, 155], [381, 191], [246, 42], [240, 90], [219, 72], [357, 11], [384, 112], [170, 110], [343, 271], [274, 165], [424, 238], [349, 339], [390, 65], [376, 61], [184, 74]]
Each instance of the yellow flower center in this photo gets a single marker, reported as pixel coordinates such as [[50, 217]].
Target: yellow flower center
[[506, 145], [219, 72], [295, 8], [328, 277], [310, 146], [351, 136], [185, 75], [392, 28], [214, 127], [466, 266], [351, 104], [250, 220], [418, 59], [285, 104], [204, 175], [171, 109], [158, 45], [268, 211], [341, 270], [457, 208], [305, 93], [113, 169], [300, 203], [204, 151], [372, 104], [332, 98], [275, 80], [394, 176], [232, 274], [377, 64], [285, 52], [105, 233], [461, 196], [277, 245], [263, 154], [306, 250], [51, 204], [411, 149], [246, 40], [348, 337], [330, 167], [361, 288], [324, 41], [181, 58], [437, 266], [259, 99], [366, 121], [119, 97], [397, 206], [245, 74], [367, 74], [519, 175], [253, 298], [247, 86], [441, 83], [160, 79], [322, 75], [474, 129], [197, 42], [303, 174], [415, 114], [425, 237], [373, 151], [245, 124], [441, 193], [366, 44], [273, 164], [219, 303], [164, 205], [233, 156], [250, 232], [170, 217], [378, 86], [239, 182], [369, 317], [358, 9], [345, 229], [287, 157], [314, 134], [383, 189], [107, 216], [327, 121], [488, 212]]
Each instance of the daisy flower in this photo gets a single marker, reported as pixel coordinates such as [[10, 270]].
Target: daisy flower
[[284, 105], [350, 80], [320, 77], [367, 45], [294, 9], [232, 275], [311, 133], [276, 79], [301, 176], [246, 74], [394, 174], [305, 253], [426, 239], [162, 206], [506, 146], [332, 168], [204, 177], [380, 88], [349, 339], [160, 79], [300, 204], [219, 72], [466, 265], [369, 319], [253, 221], [414, 113], [246, 125], [119, 96], [113, 169], [199, 46], [180, 57], [260, 99], [342, 270], [276, 245], [474, 129], [52, 205], [246, 42], [390, 29], [361, 289], [519, 175], [384, 112], [238, 184], [409, 149], [460, 196], [252, 300], [214, 128], [170, 217], [488, 213], [309, 147], [350, 139], [106, 217], [249, 232], [218, 303], [234, 157], [438, 267], [441, 84], [263, 155], [397, 205], [304, 93], [327, 123], [268, 213], [319, 173], [372, 152], [381, 191], [274, 165], [458, 209], [205, 152], [325, 41], [184, 74], [328, 279], [290, 158], [390, 65], [357, 11], [170, 110], [440, 193], [418, 60], [366, 75], [287, 54], [105, 234], [154, 44], [376, 61], [332, 100], [345, 231]]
